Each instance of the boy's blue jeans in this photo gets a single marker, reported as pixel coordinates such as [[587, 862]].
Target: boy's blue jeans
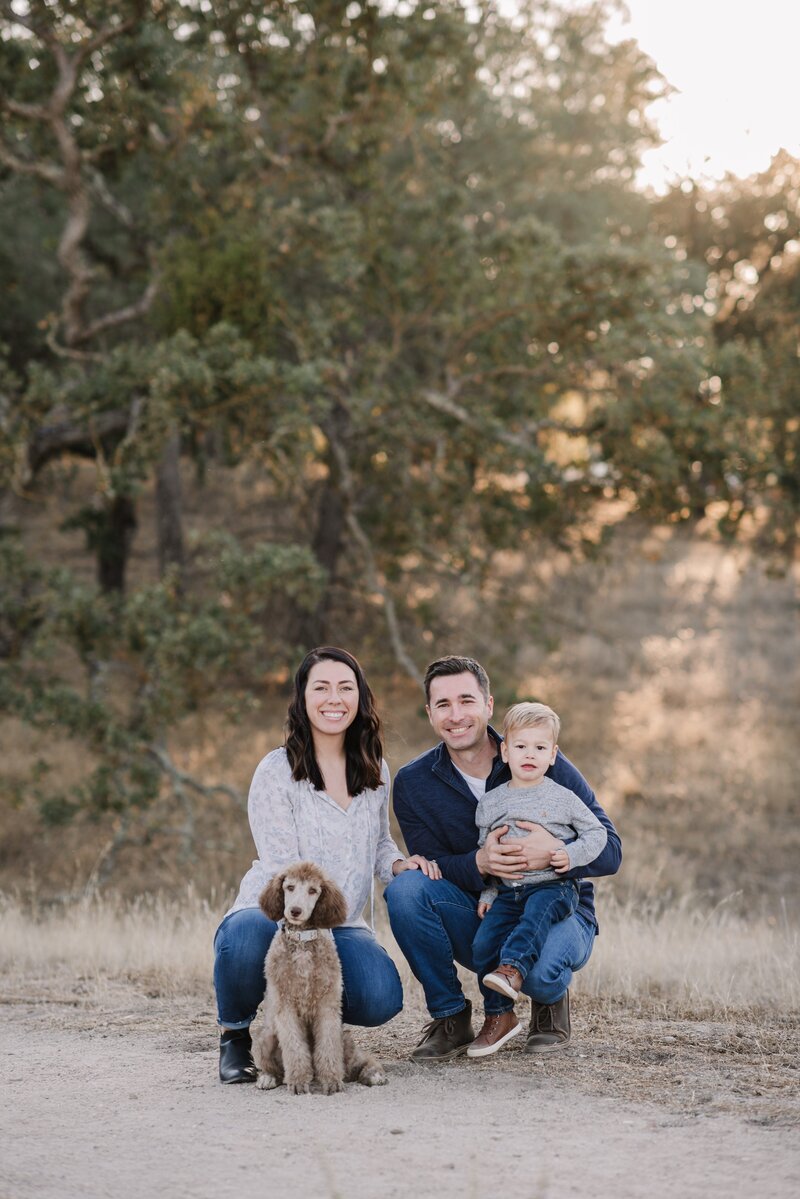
[[515, 929], [372, 991], [434, 923]]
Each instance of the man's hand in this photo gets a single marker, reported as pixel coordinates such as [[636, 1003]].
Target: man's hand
[[483, 908], [417, 862], [504, 859], [559, 861], [538, 847]]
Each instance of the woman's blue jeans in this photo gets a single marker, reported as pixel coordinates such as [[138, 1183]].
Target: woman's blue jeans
[[434, 923], [372, 991], [515, 930]]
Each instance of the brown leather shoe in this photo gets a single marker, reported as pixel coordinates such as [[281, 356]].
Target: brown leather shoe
[[550, 1027], [497, 1029], [445, 1038], [505, 979]]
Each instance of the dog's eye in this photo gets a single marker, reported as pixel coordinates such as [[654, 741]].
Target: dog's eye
[[290, 886], [313, 891]]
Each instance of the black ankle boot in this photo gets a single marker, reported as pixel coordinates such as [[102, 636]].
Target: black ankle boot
[[235, 1059]]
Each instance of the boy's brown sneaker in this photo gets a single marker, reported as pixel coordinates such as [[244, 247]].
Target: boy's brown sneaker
[[497, 1029], [550, 1026], [505, 979]]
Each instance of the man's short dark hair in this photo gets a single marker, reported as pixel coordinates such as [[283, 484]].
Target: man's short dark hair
[[452, 664]]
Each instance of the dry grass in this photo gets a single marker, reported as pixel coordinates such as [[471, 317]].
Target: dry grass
[[710, 960], [684, 958], [157, 940]]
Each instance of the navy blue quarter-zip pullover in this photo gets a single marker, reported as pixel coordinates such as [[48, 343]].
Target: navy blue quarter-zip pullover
[[436, 813]]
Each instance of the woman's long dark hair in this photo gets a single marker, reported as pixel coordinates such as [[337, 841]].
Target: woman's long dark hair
[[363, 744]]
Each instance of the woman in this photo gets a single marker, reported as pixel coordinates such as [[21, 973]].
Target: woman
[[322, 797]]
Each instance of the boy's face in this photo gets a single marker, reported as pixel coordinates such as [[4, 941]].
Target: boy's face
[[529, 752]]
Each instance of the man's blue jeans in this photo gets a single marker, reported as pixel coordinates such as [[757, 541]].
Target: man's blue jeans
[[434, 923], [514, 931], [372, 989]]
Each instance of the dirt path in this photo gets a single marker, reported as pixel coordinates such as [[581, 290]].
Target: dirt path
[[116, 1096]]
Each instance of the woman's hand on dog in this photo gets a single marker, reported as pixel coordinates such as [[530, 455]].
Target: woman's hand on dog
[[417, 862]]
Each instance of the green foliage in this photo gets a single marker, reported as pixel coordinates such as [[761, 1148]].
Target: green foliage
[[139, 664], [24, 597], [743, 236]]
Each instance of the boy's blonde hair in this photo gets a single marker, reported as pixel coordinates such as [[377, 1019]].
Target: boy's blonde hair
[[530, 716]]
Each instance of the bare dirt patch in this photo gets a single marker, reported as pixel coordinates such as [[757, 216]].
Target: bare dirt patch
[[113, 1092]]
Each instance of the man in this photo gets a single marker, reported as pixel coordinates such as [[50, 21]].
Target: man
[[435, 920]]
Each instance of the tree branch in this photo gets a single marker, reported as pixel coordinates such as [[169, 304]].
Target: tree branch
[[30, 112], [122, 315], [65, 352], [72, 180], [487, 321], [105, 861], [524, 441], [517, 441], [111, 204], [102, 37], [62, 437], [188, 780], [21, 166], [513, 369]]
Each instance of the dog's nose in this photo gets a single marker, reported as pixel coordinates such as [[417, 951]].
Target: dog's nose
[[295, 912]]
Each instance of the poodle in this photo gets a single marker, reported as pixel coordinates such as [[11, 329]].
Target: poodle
[[302, 1039]]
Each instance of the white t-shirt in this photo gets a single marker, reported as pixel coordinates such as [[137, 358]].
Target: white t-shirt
[[476, 786]]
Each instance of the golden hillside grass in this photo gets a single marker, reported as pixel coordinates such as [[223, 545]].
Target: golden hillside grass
[[687, 958]]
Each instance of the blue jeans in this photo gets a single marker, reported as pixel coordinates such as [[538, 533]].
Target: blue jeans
[[372, 991], [515, 929], [434, 923]]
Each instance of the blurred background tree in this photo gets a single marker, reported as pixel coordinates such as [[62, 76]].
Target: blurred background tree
[[745, 237]]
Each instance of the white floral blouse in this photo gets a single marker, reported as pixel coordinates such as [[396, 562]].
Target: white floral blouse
[[293, 822]]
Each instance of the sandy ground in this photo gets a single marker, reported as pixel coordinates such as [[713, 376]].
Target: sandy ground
[[109, 1092]]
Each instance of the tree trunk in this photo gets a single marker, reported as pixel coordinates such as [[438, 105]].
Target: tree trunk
[[169, 506], [327, 546], [114, 532], [312, 628]]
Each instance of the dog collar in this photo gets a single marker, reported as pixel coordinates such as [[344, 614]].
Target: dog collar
[[306, 934]]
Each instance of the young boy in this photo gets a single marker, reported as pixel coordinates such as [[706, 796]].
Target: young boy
[[517, 916]]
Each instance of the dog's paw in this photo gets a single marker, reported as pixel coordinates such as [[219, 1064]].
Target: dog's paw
[[330, 1086], [267, 1082], [373, 1076], [298, 1088]]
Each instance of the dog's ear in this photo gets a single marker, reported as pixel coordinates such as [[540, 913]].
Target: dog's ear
[[331, 907], [271, 898]]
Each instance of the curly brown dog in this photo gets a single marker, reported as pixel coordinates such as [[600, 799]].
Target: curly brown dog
[[302, 1039]]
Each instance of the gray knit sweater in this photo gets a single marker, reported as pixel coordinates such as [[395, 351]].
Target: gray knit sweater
[[556, 808]]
